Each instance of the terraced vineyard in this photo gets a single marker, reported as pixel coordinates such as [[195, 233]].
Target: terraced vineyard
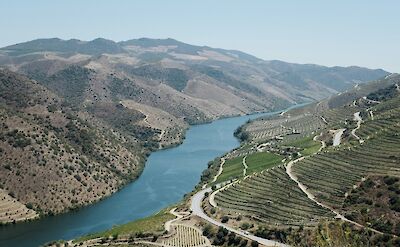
[[324, 177], [186, 236], [292, 127], [340, 115], [12, 210], [234, 167], [271, 197], [331, 175]]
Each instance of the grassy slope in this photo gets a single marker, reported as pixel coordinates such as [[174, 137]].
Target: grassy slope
[[260, 161], [308, 145], [153, 223], [233, 168]]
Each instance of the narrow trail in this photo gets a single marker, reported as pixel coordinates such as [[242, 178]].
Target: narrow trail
[[310, 196], [160, 139], [323, 144], [221, 169], [168, 224], [359, 120], [162, 134], [244, 165], [371, 113]]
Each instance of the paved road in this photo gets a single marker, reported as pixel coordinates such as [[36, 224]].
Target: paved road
[[198, 210]]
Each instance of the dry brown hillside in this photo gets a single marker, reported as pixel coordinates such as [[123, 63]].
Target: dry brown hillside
[[55, 158]]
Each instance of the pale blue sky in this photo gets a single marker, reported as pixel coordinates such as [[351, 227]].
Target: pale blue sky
[[341, 32]]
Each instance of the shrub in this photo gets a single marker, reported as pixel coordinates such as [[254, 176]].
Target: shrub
[[207, 230], [390, 180], [245, 226], [224, 219], [254, 243]]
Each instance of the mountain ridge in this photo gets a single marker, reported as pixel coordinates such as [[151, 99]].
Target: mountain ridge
[[148, 42]]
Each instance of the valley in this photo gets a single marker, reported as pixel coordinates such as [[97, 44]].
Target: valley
[[80, 119], [316, 192]]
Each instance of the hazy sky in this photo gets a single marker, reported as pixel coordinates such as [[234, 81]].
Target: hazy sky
[[341, 32]]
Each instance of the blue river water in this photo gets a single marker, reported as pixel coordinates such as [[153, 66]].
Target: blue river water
[[168, 175]]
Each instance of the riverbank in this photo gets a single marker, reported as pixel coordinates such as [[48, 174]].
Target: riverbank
[[185, 201], [152, 190]]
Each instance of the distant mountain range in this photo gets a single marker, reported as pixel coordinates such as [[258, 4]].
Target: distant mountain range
[[88, 112], [206, 82]]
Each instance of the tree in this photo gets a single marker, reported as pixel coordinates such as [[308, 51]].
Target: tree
[[207, 230], [254, 243]]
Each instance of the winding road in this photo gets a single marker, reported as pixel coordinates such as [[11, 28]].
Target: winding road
[[359, 120], [197, 210], [312, 197], [323, 144]]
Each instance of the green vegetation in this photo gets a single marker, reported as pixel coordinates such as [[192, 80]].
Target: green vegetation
[[175, 78], [326, 234], [383, 94], [271, 197], [307, 144], [261, 161], [124, 119], [376, 202], [14, 91], [240, 134], [70, 83], [330, 175], [275, 200], [122, 87], [17, 139], [150, 225], [222, 237], [233, 168]]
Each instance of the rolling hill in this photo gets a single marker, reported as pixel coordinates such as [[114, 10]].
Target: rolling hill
[[80, 117]]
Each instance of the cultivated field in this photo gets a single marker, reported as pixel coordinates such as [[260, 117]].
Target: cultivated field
[[186, 236], [316, 187]]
